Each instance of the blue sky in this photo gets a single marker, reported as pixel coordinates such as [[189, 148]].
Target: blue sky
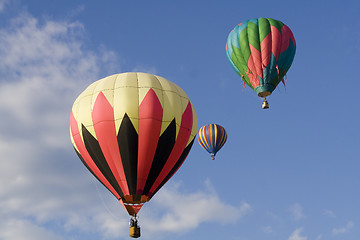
[[287, 173]]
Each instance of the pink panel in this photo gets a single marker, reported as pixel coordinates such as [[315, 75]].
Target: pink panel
[[276, 42], [254, 80], [150, 120], [286, 36], [180, 144], [256, 57], [265, 46], [104, 125], [85, 155], [291, 36]]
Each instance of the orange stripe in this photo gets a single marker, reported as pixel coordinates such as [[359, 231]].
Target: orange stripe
[[210, 135], [204, 135]]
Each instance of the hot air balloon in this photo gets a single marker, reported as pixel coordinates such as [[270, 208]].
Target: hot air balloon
[[261, 50], [133, 131], [212, 137]]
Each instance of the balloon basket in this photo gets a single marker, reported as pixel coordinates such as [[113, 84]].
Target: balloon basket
[[212, 157], [265, 104], [134, 232]]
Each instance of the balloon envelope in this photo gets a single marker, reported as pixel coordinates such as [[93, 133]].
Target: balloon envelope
[[261, 51], [133, 131], [212, 137]]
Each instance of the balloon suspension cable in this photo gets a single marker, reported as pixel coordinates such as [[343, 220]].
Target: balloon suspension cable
[[103, 201], [265, 104], [134, 218]]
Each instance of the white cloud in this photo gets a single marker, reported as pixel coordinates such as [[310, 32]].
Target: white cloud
[[44, 67], [2, 4], [329, 214], [268, 229], [345, 229], [16, 229], [296, 235], [297, 211], [273, 216], [183, 212]]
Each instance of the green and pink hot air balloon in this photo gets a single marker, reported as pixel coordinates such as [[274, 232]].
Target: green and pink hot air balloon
[[261, 50]]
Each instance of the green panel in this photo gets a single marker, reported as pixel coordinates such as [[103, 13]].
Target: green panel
[[276, 23], [239, 62], [253, 35], [264, 28], [244, 46]]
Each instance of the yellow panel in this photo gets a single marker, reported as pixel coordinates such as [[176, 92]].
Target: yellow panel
[[183, 96], [167, 85], [171, 104], [144, 90], [83, 108], [84, 114], [72, 141], [176, 99], [126, 80], [106, 86], [126, 99], [142, 93], [147, 81], [172, 109], [185, 100]]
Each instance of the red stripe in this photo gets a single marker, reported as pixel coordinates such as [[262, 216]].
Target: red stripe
[[286, 36], [266, 50], [251, 71], [104, 125], [276, 42], [180, 145], [256, 57], [150, 119], [85, 155], [205, 136], [200, 137]]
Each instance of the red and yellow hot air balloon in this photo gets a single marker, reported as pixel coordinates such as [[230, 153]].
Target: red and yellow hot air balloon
[[133, 131]]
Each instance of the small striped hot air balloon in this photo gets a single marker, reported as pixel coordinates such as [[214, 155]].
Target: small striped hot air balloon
[[261, 51], [133, 131], [212, 137]]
